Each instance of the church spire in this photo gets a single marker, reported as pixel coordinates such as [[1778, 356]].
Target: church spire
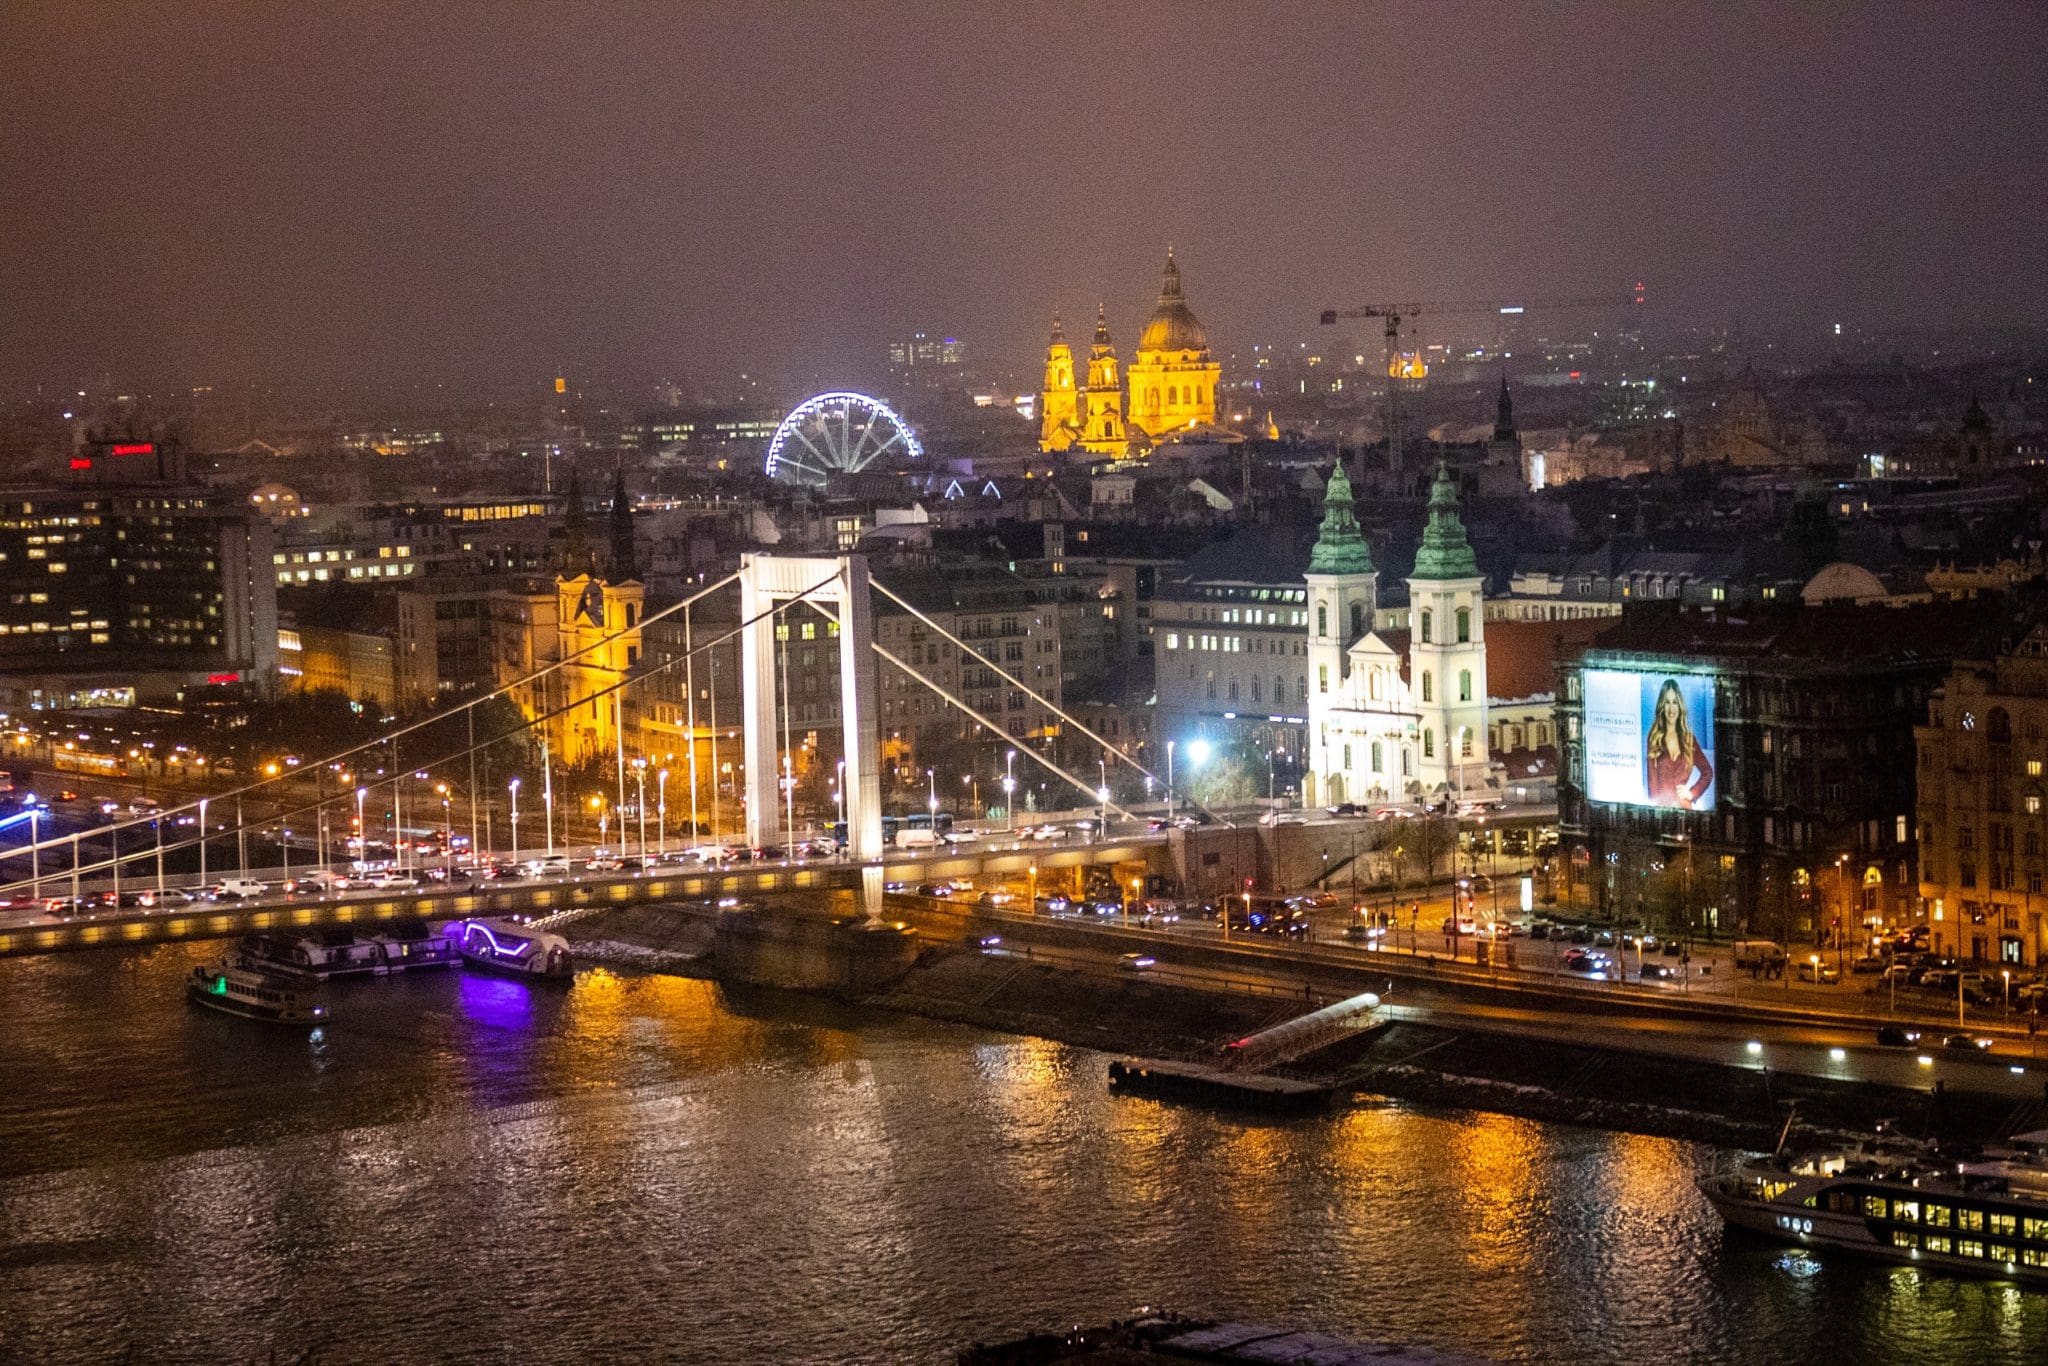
[[1169, 284], [1340, 547], [1101, 325], [1059, 334], [624, 557], [1444, 553], [1504, 412]]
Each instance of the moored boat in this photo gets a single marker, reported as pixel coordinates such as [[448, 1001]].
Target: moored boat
[[517, 950], [254, 995], [1985, 1215]]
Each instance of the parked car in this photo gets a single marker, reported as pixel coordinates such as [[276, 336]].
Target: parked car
[[1821, 974]]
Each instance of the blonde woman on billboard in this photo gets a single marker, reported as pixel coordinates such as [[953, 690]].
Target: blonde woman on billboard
[[1678, 772]]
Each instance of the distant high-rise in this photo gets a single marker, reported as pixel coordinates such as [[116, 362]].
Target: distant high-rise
[[924, 352]]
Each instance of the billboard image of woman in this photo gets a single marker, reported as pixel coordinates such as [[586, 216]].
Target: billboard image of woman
[[1650, 738], [1677, 771]]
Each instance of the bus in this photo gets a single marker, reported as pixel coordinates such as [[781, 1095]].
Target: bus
[[923, 829]]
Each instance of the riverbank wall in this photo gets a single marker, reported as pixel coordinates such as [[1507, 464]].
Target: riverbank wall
[[1436, 1065]]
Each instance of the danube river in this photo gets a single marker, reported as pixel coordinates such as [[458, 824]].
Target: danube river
[[655, 1168]]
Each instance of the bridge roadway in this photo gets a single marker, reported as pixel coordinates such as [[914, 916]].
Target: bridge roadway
[[24, 932]]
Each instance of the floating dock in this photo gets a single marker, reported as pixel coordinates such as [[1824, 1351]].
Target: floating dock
[[1241, 1077]]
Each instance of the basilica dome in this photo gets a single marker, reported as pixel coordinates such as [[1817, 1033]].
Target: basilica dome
[[1173, 325]]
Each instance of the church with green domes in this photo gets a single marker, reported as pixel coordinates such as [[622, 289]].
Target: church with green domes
[[1394, 714]]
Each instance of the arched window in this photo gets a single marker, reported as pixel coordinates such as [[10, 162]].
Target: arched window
[[1322, 620], [1233, 690], [1425, 625], [1255, 690], [1464, 625], [1998, 727], [1279, 689], [1376, 752], [1428, 686], [1464, 685], [1357, 618], [1429, 744]]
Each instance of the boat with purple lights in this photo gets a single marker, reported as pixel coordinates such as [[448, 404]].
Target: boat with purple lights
[[507, 946]]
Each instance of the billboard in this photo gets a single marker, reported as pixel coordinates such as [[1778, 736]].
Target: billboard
[[1650, 738]]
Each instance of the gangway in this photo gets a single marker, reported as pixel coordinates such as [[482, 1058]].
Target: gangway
[[1302, 1035]]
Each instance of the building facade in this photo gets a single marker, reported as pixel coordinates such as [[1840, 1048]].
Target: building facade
[[1982, 827], [1173, 380]]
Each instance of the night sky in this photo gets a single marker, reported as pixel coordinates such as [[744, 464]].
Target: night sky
[[217, 192]]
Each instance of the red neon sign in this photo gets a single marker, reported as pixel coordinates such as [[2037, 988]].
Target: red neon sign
[[80, 462], [223, 678], [134, 448]]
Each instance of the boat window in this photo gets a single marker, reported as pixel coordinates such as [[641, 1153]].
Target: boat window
[[1970, 1220], [1873, 1207], [1937, 1243], [1969, 1247], [1937, 1216], [1901, 1238], [1906, 1210]]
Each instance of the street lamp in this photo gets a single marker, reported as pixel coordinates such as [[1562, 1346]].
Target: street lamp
[[640, 802], [845, 836], [1102, 797], [362, 832], [661, 816], [447, 832], [1009, 790], [1169, 781], [513, 787], [932, 800]]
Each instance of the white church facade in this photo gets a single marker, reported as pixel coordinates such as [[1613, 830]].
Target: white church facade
[[1392, 715]]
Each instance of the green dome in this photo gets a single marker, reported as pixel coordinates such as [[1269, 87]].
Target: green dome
[[1340, 546], [1444, 553]]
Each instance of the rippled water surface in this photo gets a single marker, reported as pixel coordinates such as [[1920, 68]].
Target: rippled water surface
[[467, 1169]]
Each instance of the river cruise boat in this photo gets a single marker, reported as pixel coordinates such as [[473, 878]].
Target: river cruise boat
[[257, 995], [517, 950], [409, 943], [331, 953], [1985, 1215]]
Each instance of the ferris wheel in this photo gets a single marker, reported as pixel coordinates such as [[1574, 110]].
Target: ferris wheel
[[837, 433]]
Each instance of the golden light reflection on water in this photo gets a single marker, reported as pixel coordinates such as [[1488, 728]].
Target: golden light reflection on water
[[1499, 1156]]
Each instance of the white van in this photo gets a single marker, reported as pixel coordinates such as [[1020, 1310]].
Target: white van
[[919, 837], [1757, 953], [237, 889]]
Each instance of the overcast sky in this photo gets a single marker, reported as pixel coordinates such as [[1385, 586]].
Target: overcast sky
[[203, 192]]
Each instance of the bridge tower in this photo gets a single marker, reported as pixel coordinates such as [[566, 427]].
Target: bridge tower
[[842, 583]]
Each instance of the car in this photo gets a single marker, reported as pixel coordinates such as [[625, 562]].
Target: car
[[1672, 949], [1592, 964], [169, 898], [1897, 1036], [67, 795], [1820, 974], [1605, 939], [1580, 934], [1661, 972], [1647, 943], [1055, 904], [1540, 930], [1277, 818], [989, 943], [934, 889], [1346, 809], [1871, 963], [1155, 824], [1136, 962], [237, 889], [1966, 1043]]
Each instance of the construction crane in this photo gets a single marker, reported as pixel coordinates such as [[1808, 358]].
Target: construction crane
[[1394, 313]]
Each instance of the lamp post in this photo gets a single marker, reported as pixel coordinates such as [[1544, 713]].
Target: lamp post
[[661, 816], [547, 795], [1009, 790], [640, 803], [931, 784], [1169, 781], [202, 831], [35, 855], [1102, 798], [845, 838], [447, 832], [513, 788], [362, 833]]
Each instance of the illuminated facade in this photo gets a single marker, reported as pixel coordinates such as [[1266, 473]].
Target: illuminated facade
[[1172, 383], [1173, 379], [1380, 725], [599, 633]]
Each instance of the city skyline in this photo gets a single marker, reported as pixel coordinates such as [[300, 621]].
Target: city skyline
[[378, 197]]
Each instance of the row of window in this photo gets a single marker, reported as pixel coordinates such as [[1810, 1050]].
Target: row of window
[[1934, 1214], [1231, 645]]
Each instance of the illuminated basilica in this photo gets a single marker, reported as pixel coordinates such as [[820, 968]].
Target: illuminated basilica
[[1172, 385]]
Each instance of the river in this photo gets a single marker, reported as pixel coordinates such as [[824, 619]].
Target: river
[[653, 1168]]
